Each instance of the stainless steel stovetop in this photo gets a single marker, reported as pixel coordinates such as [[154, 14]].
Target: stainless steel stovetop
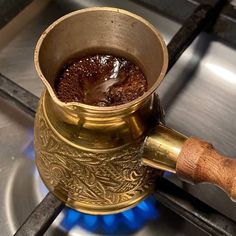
[[199, 95]]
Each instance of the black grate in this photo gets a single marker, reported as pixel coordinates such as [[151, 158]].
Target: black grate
[[224, 27], [187, 206], [42, 217]]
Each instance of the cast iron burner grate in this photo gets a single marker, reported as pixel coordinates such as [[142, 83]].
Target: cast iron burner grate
[[181, 202]]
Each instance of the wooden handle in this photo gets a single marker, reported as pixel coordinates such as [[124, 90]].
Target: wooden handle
[[199, 162]]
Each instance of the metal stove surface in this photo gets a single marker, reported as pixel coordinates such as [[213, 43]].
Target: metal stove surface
[[199, 95]]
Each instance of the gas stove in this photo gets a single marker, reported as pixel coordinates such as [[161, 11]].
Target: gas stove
[[199, 97]]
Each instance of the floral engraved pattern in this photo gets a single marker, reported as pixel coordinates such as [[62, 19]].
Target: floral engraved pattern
[[97, 179]]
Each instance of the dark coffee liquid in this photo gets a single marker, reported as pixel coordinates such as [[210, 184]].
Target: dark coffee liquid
[[100, 80]]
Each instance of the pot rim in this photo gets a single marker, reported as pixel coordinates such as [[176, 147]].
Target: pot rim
[[75, 105]]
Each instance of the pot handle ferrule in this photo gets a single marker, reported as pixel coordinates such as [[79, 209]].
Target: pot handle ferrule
[[192, 159]]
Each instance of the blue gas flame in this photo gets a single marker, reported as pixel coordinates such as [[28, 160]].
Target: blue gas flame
[[28, 147], [122, 223]]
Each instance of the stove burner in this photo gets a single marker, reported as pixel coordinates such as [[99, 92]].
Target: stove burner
[[122, 223]]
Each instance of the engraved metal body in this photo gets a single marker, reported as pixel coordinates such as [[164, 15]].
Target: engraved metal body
[[95, 180]]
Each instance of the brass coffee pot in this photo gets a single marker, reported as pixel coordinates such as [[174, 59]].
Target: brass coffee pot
[[98, 159]]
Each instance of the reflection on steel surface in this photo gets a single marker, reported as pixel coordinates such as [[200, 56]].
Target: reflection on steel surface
[[222, 72]]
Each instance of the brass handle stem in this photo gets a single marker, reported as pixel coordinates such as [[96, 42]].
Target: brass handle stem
[[162, 147]]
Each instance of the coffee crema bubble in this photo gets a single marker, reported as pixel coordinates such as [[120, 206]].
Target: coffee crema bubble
[[100, 80]]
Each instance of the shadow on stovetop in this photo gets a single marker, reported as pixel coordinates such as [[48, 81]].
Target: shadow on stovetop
[[187, 72]]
